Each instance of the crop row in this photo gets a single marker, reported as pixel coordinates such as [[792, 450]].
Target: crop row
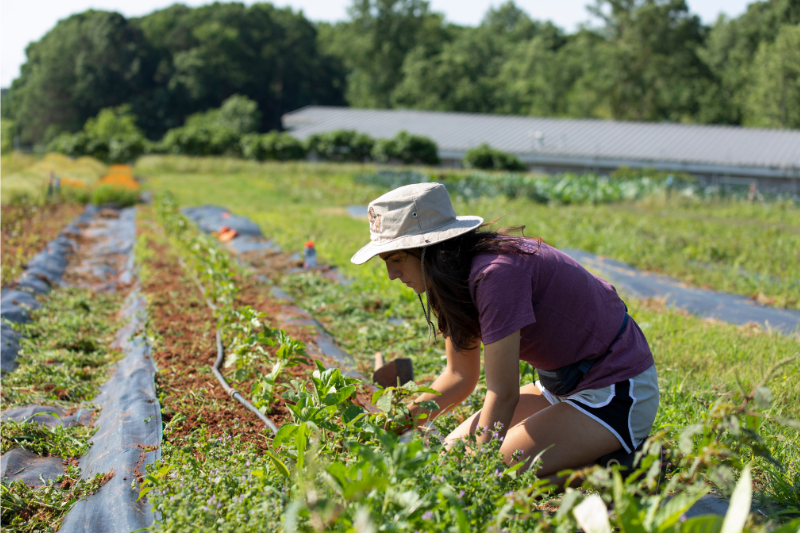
[[338, 465]]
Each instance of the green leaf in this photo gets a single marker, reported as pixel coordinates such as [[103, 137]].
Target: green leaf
[[702, 524], [352, 413], [685, 442], [429, 405], [739, 507], [279, 465], [385, 402], [285, 433], [512, 471], [670, 512]]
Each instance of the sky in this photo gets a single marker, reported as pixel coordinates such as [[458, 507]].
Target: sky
[[23, 21]]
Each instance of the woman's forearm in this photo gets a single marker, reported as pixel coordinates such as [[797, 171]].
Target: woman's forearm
[[453, 389]]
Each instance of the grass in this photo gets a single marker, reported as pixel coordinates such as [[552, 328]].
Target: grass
[[64, 352]]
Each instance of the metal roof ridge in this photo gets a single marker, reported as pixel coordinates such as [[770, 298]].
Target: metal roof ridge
[[724, 127]]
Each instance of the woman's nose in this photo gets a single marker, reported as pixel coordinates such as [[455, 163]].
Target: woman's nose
[[394, 273]]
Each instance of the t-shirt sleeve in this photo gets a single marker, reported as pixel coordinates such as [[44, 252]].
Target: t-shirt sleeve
[[503, 297]]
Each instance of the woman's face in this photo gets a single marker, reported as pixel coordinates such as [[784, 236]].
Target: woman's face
[[405, 266]]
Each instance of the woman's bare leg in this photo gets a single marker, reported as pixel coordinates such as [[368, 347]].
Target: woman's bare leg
[[571, 439]]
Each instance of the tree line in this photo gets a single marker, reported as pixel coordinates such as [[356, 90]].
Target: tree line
[[647, 60]]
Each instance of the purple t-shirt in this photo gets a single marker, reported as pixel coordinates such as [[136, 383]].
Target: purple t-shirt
[[564, 313]]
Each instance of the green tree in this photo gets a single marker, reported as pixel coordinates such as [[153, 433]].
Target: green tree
[[87, 62], [210, 53], [462, 77], [374, 43], [648, 68], [774, 97], [729, 52]]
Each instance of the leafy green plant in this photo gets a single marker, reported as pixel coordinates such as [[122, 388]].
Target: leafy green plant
[[60, 441], [487, 158]]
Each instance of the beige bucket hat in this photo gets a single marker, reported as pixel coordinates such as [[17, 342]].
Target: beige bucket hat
[[413, 216]]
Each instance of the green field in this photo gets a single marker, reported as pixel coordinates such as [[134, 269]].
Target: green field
[[731, 246], [710, 244]]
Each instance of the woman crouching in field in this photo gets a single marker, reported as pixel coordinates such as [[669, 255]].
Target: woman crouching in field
[[597, 391]]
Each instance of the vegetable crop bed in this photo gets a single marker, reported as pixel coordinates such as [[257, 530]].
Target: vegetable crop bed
[[336, 464]]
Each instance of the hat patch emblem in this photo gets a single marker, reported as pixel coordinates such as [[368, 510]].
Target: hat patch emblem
[[374, 221]]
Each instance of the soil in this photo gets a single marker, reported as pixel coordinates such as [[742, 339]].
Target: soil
[[185, 349], [25, 232]]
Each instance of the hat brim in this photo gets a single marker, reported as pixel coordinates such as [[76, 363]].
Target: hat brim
[[458, 227]]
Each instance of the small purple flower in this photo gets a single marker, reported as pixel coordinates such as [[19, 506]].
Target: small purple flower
[[427, 515], [248, 463], [461, 494], [683, 517], [509, 494], [497, 472]]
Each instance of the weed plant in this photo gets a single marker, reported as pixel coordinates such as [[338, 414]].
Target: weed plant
[[46, 441], [65, 350], [29, 510], [63, 360]]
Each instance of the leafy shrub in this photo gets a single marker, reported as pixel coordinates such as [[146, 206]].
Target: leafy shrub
[[406, 148], [112, 137], [200, 141], [272, 146], [485, 157], [341, 145], [112, 194]]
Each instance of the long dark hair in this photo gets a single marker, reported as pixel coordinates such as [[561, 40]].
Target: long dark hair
[[447, 268]]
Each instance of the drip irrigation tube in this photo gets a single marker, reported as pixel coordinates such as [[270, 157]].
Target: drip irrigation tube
[[230, 391], [233, 393]]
